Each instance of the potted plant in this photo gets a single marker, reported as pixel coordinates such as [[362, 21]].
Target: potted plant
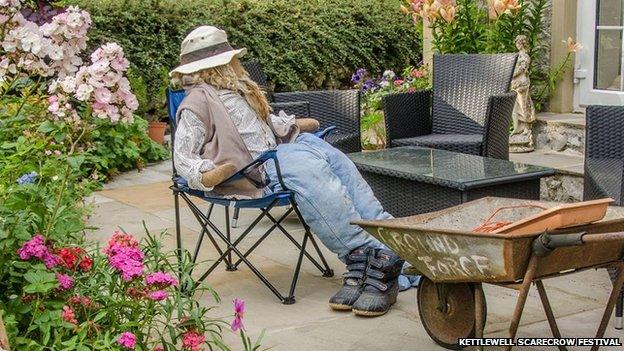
[[156, 128], [373, 90]]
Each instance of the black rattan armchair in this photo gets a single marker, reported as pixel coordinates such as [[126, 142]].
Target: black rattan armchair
[[339, 108], [604, 154], [469, 109], [604, 165]]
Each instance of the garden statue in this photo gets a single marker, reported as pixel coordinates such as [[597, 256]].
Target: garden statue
[[521, 139]]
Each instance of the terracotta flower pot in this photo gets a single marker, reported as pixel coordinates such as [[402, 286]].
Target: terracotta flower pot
[[156, 131]]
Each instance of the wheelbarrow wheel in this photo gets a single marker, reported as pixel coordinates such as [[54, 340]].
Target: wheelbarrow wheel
[[446, 323]]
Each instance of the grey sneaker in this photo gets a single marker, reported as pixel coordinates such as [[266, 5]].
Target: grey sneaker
[[381, 285], [353, 281]]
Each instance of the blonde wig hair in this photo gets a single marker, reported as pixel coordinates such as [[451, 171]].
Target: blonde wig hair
[[231, 77]]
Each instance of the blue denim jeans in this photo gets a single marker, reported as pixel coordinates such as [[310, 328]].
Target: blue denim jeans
[[330, 193]]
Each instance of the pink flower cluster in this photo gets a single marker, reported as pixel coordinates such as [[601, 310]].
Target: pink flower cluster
[[54, 50], [161, 280], [68, 315], [50, 49], [66, 282], [102, 84], [125, 256], [127, 340], [37, 248], [192, 340]]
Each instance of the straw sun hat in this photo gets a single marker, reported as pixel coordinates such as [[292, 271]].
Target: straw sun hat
[[205, 47]]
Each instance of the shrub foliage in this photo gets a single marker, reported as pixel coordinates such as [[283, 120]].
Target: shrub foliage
[[303, 44]]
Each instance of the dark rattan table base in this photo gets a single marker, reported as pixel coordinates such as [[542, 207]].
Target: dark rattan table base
[[404, 197]]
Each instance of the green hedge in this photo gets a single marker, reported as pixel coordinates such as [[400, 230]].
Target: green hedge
[[303, 44]]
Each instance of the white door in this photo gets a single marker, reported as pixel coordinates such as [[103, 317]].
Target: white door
[[599, 69]]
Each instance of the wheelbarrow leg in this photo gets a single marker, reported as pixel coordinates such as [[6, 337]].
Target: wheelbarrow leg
[[524, 292], [615, 294], [549, 313], [619, 311], [479, 299]]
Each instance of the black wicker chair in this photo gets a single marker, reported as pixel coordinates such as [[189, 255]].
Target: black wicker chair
[[468, 111], [339, 108], [604, 165]]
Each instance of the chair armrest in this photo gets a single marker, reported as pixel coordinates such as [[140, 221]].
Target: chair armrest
[[407, 115], [253, 166], [340, 108], [297, 108], [325, 132], [497, 123]]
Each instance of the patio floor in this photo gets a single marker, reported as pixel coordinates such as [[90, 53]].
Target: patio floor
[[309, 324]]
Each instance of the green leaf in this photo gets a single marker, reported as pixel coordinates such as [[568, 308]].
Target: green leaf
[[40, 282], [46, 127], [75, 161]]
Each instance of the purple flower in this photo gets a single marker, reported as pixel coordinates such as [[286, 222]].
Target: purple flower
[[127, 340], [36, 248], [66, 282], [28, 178], [369, 85], [359, 74]]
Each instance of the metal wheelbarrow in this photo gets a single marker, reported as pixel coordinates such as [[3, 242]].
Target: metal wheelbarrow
[[455, 261]]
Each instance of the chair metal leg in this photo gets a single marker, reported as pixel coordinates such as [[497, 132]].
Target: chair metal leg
[[210, 228], [235, 217], [290, 299], [228, 233], [327, 272], [176, 201]]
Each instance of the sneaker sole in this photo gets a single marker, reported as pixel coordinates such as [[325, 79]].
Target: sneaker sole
[[340, 307], [369, 313]]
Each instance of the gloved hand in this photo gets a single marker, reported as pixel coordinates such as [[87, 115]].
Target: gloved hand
[[217, 175], [307, 125]]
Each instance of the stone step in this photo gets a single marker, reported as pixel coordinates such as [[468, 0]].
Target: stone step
[[567, 184], [561, 132]]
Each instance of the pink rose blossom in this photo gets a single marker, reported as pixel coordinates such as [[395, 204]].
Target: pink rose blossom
[[103, 96], [127, 340]]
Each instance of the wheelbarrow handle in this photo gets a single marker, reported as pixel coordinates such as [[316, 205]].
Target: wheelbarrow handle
[[546, 243]]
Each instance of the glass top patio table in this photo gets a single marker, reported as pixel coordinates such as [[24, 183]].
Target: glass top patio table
[[445, 168]]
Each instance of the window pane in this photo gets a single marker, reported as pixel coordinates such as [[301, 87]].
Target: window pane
[[610, 12], [608, 60]]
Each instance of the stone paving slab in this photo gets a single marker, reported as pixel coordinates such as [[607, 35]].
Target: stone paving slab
[[567, 164], [310, 324]]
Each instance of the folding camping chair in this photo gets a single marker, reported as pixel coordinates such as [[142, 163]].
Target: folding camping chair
[[285, 197]]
